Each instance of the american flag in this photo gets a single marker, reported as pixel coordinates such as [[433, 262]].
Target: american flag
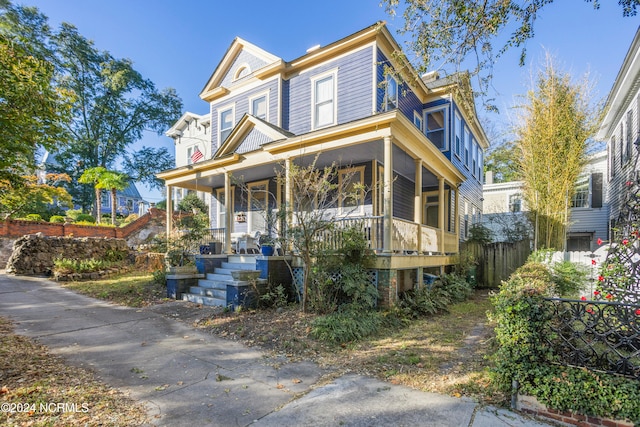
[[196, 155]]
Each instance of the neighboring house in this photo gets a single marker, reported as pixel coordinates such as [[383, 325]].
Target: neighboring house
[[620, 129], [505, 209], [192, 135], [128, 200], [416, 141]]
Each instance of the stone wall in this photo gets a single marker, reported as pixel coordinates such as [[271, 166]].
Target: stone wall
[[34, 254], [6, 247]]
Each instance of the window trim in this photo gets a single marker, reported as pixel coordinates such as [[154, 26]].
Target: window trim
[[257, 96], [467, 147], [219, 212], [418, 117], [385, 102], [220, 112], [458, 134], [509, 202], [445, 109], [333, 74], [240, 69]]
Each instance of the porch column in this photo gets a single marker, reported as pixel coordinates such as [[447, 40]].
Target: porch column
[[288, 191], [169, 217], [387, 195], [441, 212], [456, 224], [228, 212], [417, 201]]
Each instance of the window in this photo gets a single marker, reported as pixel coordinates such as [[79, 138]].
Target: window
[[259, 107], [391, 94], [221, 197], [435, 122], [515, 203], [474, 147], [480, 165], [580, 198], [189, 154], [130, 204], [351, 191], [629, 134], [121, 201], [457, 129], [467, 146], [242, 71], [105, 199], [324, 105], [417, 120], [226, 124]]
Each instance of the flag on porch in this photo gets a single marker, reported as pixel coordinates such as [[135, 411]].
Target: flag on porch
[[196, 155]]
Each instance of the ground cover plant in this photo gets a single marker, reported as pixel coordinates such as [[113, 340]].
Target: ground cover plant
[[131, 289]]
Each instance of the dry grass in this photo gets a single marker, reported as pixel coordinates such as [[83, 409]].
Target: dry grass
[[443, 353], [130, 289], [34, 382]]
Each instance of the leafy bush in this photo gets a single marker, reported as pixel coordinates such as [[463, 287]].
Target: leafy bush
[[84, 218], [57, 219], [66, 265], [160, 277], [348, 325], [73, 214], [480, 233], [569, 278], [33, 217], [521, 317], [274, 296], [115, 255], [424, 301]]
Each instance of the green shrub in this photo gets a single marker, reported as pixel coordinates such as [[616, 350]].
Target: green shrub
[[569, 278], [425, 300], [66, 265], [160, 277], [345, 326], [274, 296], [84, 218], [73, 213], [33, 217], [57, 219]]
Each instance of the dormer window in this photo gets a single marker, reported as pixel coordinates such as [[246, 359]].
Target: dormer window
[[242, 71]]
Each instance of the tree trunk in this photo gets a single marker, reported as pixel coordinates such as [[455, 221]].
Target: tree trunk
[[113, 206]]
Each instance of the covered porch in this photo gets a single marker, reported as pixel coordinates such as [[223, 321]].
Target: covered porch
[[409, 216]]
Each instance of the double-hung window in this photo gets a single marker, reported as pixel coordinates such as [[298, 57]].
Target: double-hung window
[[259, 107], [417, 120], [457, 129], [226, 123], [324, 100], [515, 203], [435, 127], [391, 94]]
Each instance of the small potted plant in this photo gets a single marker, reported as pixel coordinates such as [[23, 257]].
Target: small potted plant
[[266, 245]]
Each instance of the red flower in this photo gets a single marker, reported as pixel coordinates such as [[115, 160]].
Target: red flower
[[583, 298], [638, 312], [609, 297], [590, 310], [629, 183], [596, 293], [593, 262], [625, 242], [600, 279], [599, 241]]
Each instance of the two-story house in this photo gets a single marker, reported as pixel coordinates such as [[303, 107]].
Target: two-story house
[[414, 140], [505, 210], [620, 129]]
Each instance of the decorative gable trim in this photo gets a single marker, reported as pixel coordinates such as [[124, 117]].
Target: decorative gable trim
[[213, 88], [249, 135]]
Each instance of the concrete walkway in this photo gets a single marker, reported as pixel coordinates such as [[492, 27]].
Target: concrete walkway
[[190, 378]]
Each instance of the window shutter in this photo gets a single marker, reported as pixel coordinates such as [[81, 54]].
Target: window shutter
[[596, 190]]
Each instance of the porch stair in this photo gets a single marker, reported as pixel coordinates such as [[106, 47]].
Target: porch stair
[[213, 289]]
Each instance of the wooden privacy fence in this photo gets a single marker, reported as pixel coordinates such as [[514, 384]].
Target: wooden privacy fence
[[496, 261]]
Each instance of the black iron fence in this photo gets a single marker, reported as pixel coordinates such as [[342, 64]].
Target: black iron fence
[[598, 335]]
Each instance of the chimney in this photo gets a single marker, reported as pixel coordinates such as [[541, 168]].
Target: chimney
[[488, 177]]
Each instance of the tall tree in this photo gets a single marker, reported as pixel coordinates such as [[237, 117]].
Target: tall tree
[[115, 104], [448, 32], [33, 112], [143, 165], [553, 131], [502, 161], [34, 195]]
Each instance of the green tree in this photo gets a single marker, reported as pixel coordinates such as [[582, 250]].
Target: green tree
[[94, 176], [114, 182], [502, 161], [553, 132], [448, 32], [143, 165], [33, 194], [33, 112]]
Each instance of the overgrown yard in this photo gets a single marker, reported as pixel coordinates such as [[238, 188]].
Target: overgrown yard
[[443, 353], [33, 382]]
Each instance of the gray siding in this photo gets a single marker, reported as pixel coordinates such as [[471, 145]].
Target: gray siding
[[252, 142], [243, 58], [354, 91], [241, 107]]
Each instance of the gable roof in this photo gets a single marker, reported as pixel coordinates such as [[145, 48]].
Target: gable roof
[[264, 60], [249, 135], [179, 126]]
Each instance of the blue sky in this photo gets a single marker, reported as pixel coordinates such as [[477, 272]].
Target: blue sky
[[179, 43]]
